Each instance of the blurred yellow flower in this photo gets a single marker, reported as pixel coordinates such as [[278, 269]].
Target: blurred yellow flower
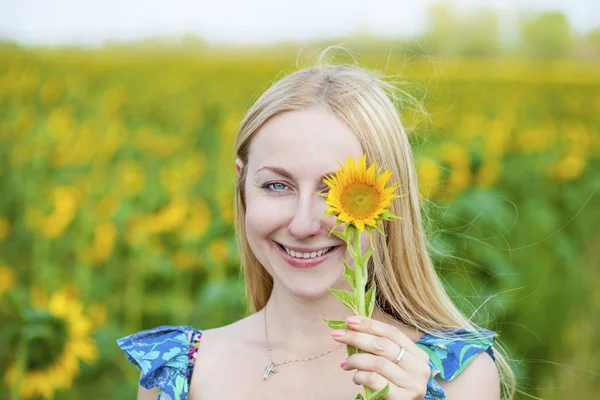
[[132, 177], [105, 236], [218, 250], [459, 181], [455, 154], [488, 173], [183, 259], [107, 206], [98, 314], [4, 229], [24, 121], [471, 126], [568, 168], [50, 91], [536, 139], [430, 174], [65, 200], [198, 222], [174, 180], [497, 140], [179, 176], [113, 138], [169, 217], [61, 123], [225, 199], [60, 372], [114, 99], [577, 139], [7, 278]]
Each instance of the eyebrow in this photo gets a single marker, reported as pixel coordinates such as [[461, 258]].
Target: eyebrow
[[283, 172]]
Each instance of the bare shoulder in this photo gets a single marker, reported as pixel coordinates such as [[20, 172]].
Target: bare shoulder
[[479, 380], [238, 331], [235, 337]]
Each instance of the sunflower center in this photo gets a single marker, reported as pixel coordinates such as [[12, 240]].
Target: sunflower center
[[48, 336], [360, 200]]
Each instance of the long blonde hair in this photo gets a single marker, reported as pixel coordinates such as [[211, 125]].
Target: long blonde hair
[[408, 288]]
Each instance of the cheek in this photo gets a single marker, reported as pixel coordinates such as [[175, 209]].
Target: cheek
[[263, 216]]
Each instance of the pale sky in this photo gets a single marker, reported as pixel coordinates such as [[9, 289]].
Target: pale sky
[[245, 21]]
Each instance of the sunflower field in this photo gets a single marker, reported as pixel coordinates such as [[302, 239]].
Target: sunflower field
[[116, 205]]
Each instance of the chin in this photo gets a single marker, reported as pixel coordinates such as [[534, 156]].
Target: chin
[[309, 288]]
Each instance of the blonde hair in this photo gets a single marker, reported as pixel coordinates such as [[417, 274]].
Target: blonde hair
[[408, 288]]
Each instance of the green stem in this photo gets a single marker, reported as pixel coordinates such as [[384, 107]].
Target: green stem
[[358, 273]]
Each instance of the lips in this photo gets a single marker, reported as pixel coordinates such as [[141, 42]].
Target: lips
[[304, 262]]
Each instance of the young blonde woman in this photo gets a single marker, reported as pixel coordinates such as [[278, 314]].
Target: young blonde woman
[[417, 341]]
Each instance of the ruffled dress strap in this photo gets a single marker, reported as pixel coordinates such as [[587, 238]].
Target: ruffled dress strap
[[165, 357], [450, 352]]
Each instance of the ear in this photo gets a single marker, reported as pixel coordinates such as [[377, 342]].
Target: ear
[[239, 164]]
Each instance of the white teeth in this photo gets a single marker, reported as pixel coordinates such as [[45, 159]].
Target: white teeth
[[313, 254]]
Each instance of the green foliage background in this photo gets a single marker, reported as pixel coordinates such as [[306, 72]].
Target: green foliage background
[[117, 178]]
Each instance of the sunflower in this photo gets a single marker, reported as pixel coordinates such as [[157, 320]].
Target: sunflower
[[359, 196], [59, 335]]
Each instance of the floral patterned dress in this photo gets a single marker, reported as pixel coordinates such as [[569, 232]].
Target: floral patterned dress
[[167, 358]]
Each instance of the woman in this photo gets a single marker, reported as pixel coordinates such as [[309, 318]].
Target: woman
[[296, 133]]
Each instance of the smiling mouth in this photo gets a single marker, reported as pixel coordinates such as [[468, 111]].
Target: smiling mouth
[[308, 255]]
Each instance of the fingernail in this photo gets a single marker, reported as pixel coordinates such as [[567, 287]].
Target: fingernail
[[353, 320], [343, 363], [338, 333]]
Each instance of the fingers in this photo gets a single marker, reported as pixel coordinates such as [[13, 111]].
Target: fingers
[[393, 334], [383, 367], [375, 372], [369, 379], [379, 346], [376, 367]]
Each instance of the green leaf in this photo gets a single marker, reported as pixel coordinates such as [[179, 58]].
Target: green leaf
[[387, 214], [351, 350], [359, 397], [370, 300], [349, 275], [341, 235], [367, 255], [347, 298], [336, 324], [381, 394]]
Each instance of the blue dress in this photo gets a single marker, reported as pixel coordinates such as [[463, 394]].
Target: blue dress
[[167, 359]]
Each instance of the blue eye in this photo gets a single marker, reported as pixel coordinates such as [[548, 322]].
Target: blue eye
[[279, 187], [274, 186]]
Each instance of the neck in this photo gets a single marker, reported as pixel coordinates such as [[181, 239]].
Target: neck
[[294, 326]]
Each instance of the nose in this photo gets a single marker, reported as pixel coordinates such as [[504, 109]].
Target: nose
[[306, 220]]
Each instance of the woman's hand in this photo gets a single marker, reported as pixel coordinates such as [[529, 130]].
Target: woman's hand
[[376, 368]]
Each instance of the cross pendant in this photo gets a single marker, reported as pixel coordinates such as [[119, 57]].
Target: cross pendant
[[269, 369]]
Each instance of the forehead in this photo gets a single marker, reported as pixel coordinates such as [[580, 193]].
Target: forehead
[[310, 141]]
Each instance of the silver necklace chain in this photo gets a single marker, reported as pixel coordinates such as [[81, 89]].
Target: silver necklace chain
[[290, 361]]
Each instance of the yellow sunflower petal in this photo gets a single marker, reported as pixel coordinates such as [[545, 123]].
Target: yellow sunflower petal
[[359, 225], [359, 194]]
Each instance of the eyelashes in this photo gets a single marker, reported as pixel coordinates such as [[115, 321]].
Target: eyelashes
[[268, 187]]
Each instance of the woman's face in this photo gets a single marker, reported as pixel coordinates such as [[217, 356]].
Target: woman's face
[[287, 161]]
